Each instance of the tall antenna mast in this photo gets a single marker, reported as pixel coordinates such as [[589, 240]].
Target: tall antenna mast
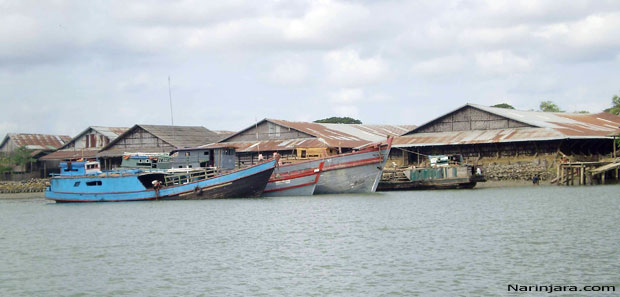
[[171, 117]]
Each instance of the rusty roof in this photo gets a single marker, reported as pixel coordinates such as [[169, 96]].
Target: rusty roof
[[597, 126], [119, 152], [326, 135], [70, 154], [43, 142], [593, 122], [109, 132], [271, 145], [544, 126]]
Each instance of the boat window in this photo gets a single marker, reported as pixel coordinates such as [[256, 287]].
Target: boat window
[[76, 184], [187, 154], [206, 153], [94, 183], [189, 166]]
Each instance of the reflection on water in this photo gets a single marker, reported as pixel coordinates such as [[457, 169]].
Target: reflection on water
[[427, 243]]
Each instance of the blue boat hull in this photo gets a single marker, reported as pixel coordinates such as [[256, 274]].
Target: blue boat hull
[[244, 183]]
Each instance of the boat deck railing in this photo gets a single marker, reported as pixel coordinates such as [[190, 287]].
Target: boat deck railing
[[190, 176]]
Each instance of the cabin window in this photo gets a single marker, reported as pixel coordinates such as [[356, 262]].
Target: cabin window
[[94, 183], [187, 154], [206, 153], [189, 166], [76, 184], [303, 153]]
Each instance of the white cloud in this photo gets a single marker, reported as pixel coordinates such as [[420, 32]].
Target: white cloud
[[350, 56], [502, 62], [347, 68], [594, 37], [326, 21], [441, 65], [346, 111], [289, 72], [347, 96]]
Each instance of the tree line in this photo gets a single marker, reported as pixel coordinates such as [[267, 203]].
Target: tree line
[[550, 106]]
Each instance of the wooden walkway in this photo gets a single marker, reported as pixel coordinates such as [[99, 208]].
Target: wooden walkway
[[587, 173]]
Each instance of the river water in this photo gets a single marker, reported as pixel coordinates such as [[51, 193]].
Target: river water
[[425, 243]]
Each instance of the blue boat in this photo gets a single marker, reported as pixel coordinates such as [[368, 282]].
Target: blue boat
[[85, 182]]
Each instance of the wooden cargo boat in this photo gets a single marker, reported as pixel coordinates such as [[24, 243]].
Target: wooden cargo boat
[[290, 182], [357, 172], [84, 182]]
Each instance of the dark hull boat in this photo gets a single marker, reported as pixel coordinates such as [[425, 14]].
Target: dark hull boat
[[77, 184]]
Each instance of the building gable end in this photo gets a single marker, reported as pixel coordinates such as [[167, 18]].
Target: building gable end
[[468, 118]]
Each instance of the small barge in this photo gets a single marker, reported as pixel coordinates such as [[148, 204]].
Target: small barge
[[445, 172]]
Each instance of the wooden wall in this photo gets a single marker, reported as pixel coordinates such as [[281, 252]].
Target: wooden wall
[[268, 130], [469, 118], [140, 138]]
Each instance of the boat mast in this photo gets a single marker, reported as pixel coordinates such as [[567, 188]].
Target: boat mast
[[171, 117]]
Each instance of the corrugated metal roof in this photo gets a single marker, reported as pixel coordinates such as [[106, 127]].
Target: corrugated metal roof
[[177, 136], [547, 126], [346, 131], [591, 122], [327, 135], [277, 145], [182, 136], [121, 152], [494, 136], [109, 132], [37, 141], [70, 154]]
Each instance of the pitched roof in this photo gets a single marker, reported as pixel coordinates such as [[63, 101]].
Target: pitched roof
[[544, 126], [42, 142], [182, 136], [595, 122], [109, 132], [176, 136], [326, 135]]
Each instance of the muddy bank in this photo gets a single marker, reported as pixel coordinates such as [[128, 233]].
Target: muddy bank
[[34, 195], [29, 186], [510, 183]]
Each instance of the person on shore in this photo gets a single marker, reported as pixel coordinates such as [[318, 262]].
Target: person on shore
[[536, 180]]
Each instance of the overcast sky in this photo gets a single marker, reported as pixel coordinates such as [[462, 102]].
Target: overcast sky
[[66, 65]]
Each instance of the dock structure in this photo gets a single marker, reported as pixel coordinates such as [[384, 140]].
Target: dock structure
[[587, 173]]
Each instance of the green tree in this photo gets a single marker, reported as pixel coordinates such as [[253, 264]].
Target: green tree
[[549, 106], [22, 156], [19, 157], [503, 105], [582, 111], [615, 109], [339, 120], [5, 164]]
